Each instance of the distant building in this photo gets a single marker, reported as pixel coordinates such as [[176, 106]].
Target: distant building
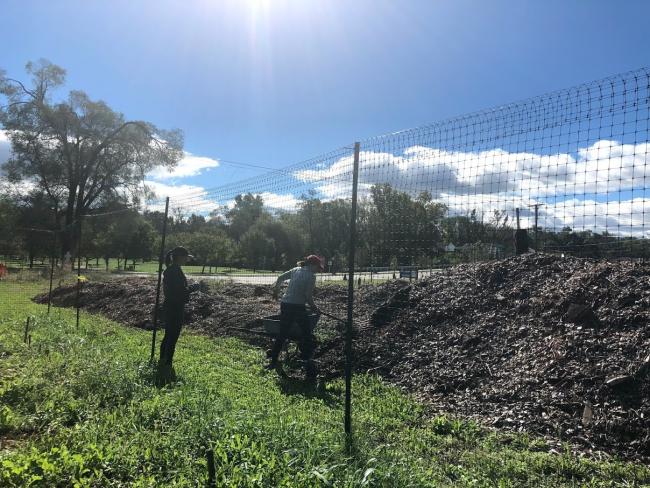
[[450, 247]]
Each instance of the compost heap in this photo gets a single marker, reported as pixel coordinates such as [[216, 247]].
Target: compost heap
[[559, 347]]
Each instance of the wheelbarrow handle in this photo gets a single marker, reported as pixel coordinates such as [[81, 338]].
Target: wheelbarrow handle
[[321, 312], [333, 317]]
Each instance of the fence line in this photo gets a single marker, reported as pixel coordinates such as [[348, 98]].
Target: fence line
[[566, 173]]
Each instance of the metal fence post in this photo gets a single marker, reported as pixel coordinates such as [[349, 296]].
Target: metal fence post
[[78, 271], [26, 335], [212, 472], [53, 257], [348, 329], [161, 258]]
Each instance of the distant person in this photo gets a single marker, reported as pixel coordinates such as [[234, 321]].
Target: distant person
[[177, 294], [299, 294]]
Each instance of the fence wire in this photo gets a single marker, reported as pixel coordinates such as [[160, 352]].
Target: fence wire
[[563, 173]]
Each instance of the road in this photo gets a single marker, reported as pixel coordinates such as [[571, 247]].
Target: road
[[269, 279]]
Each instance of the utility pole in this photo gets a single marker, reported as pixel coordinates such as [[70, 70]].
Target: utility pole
[[521, 237], [536, 229], [517, 213]]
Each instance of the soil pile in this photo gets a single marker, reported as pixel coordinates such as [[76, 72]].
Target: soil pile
[[212, 310], [556, 346], [539, 343]]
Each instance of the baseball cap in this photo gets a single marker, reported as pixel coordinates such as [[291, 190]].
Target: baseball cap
[[181, 251], [313, 259]]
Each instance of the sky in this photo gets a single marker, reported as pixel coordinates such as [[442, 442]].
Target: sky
[[275, 82]]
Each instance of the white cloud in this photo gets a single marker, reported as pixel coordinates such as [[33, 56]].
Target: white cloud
[[5, 147], [196, 199], [499, 180], [605, 166], [625, 217], [190, 198], [190, 165], [278, 201], [629, 217]]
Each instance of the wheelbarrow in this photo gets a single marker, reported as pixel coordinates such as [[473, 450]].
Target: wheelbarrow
[[272, 326]]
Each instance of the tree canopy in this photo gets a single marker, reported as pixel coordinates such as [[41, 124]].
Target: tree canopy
[[76, 151]]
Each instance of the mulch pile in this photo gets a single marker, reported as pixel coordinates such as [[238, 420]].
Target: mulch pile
[[559, 347]]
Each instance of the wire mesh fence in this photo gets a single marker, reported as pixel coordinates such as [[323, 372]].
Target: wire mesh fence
[[563, 173]]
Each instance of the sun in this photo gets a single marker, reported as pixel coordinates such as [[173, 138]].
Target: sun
[[260, 5]]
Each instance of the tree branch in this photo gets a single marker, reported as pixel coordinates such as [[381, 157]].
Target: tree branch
[[22, 86]]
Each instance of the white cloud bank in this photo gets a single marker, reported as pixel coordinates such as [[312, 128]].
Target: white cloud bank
[[605, 166], [190, 165], [196, 199], [566, 184], [582, 190], [188, 197]]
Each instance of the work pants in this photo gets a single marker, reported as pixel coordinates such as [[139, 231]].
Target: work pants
[[173, 315], [290, 313]]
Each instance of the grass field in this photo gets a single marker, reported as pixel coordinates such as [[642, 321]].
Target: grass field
[[152, 267], [79, 408], [143, 267]]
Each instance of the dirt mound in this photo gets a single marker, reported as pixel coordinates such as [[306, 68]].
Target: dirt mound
[[539, 343], [131, 301]]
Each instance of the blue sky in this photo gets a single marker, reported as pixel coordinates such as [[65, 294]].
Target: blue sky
[[274, 82], [279, 81]]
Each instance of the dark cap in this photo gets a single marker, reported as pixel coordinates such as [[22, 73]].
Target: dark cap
[[180, 251]]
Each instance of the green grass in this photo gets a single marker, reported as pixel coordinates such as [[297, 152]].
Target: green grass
[[146, 267], [152, 267], [79, 408]]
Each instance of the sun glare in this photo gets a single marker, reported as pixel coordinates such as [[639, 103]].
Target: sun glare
[[259, 5]]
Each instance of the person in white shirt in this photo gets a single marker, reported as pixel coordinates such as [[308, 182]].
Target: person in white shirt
[[299, 294]]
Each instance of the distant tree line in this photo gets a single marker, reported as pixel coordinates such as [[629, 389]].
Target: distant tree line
[[394, 229]]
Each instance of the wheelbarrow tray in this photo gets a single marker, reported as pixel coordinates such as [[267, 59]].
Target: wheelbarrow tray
[[272, 326]]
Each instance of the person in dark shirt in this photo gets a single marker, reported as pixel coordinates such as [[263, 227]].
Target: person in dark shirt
[[177, 294]]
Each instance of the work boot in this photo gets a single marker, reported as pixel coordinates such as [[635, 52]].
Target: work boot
[[165, 374]]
